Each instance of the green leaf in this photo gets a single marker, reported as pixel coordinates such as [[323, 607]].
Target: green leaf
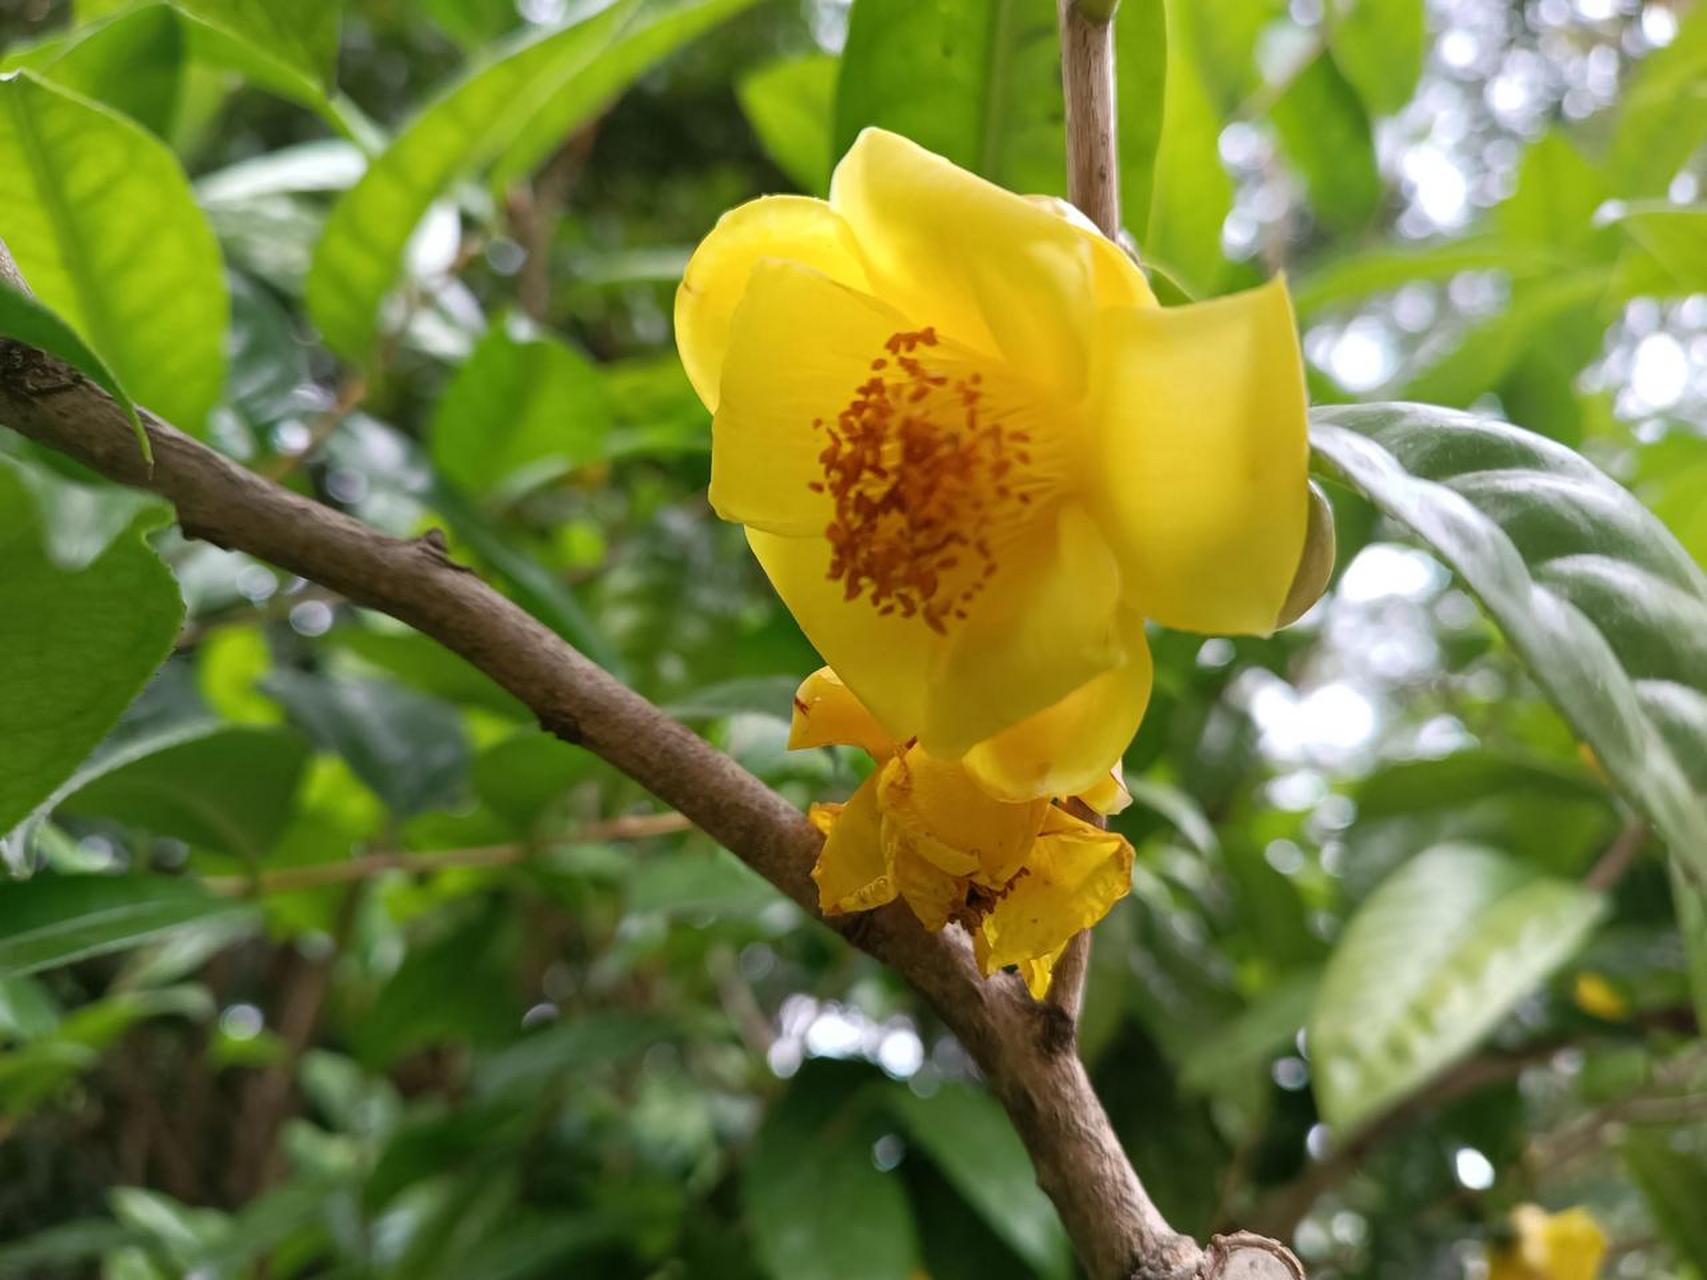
[[521, 412], [1379, 44], [1663, 118], [54, 920], [1558, 190], [1667, 252], [1675, 1186], [103, 226], [817, 1206], [132, 62], [977, 81], [455, 988], [1326, 132], [217, 787], [1356, 276], [76, 645], [1597, 598], [1431, 963], [1245, 1045], [790, 104], [1192, 192], [510, 111], [78, 1241], [970, 1139], [300, 34], [1140, 76], [25, 320], [409, 748]]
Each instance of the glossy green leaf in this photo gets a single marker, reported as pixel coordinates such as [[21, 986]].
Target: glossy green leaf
[[1192, 192], [132, 62], [510, 111], [818, 1207], [101, 221], [1355, 276], [54, 920], [977, 81], [1325, 130], [1674, 1184], [76, 645], [791, 103], [1379, 45], [1431, 963], [522, 411], [970, 1139], [1597, 598]]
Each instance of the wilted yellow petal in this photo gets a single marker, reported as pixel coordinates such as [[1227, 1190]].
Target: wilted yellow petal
[[792, 228], [934, 895], [853, 871], [1203, 458], [938, 812], [1074, 874], [1560, 1246], [1038, 973], [764, 446], [1048, 623], [983, 265], [826, 713], [1069, 748]]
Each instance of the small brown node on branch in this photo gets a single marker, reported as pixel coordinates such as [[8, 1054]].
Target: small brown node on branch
[[1247, 1256]]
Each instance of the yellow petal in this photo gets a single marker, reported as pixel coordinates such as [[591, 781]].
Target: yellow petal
[[1071, 747], [799, 346], [935, 896], [1118, 280], [1040, 972], [853, 872], [1109, 796], [826, 713], [1047, 624], [884, 660], [986, 267], [1561, 1246], [935, 808], [1074, 874], [1203, 467], [793, 228]]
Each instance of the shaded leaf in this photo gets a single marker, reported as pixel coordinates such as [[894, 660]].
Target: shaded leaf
[[790, 104], [132, 62], [1379, 46], [1435, 958], [1192, 192], [301, 34], [1675, 1187], [1325, 130], [54, 920]]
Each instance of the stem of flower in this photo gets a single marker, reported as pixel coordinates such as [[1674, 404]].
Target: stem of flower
[[1093, 148]]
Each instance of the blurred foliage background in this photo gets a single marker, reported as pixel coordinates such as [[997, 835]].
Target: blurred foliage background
[[328, 962]]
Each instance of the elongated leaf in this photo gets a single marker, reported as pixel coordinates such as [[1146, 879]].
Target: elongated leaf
[[791, 103], [1141, 77], [1356, 276], [523, 410], [1379, 45], [1663, 118], [133, 62], [977, 81], [1428, 966], [1675, 1187], [1326, 132], [818, 1208], [512, 110], [971, 1141], [100, 219], [1667, 254], [76, 646], [25, 320], [1192, 192], [301, 34], [53, 920], [1604, 607]]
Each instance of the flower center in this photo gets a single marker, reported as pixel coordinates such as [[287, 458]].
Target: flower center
[[922, 471]]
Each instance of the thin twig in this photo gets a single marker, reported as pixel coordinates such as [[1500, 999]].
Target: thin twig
[[292, 879], [1619, 857]]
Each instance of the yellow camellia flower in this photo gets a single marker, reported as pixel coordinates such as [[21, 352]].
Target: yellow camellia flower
[[1022, 878], [974, 455], [1549, 1246]]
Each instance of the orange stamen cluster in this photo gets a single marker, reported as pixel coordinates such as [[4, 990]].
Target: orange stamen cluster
[[917, 470]]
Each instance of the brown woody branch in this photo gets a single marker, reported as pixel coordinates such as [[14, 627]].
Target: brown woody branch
[[1026, 1050]]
